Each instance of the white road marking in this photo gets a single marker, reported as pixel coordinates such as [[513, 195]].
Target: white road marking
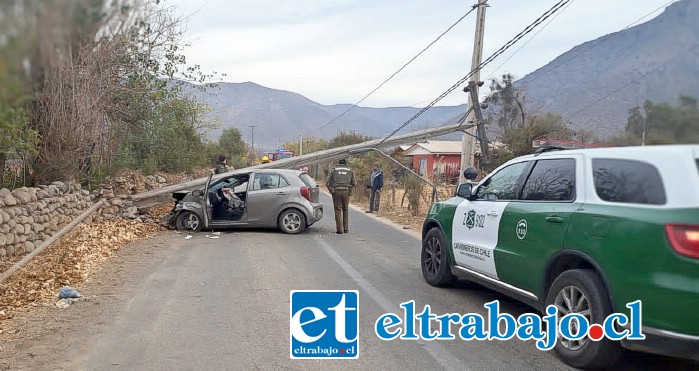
[[438, 352]]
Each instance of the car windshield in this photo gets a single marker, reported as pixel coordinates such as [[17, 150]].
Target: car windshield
[[308, 180], [235, 183]]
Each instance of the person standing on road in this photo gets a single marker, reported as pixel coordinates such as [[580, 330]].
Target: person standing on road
[[341, 183], [221, 165], [375, 185]]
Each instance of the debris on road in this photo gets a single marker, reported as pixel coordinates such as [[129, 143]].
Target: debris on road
[[189, 236], [65, 303], [208, 236], [68, 292]]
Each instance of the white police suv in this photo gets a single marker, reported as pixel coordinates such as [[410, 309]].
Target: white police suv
[[587, 231]]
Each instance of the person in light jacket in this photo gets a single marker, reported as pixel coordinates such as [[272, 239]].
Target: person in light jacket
[[375, 185]]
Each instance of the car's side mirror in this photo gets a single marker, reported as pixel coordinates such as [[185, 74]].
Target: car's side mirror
[[464, 190]]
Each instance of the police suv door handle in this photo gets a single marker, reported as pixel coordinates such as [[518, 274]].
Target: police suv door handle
[[493, 213], [554, 219]]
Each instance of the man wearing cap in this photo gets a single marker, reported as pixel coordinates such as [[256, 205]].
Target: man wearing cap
[[221, 165], [375, 185], [341, 183]]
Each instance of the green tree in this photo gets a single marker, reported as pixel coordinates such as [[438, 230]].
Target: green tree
[[93, 84], [346, 138], [516, 127], [507, 102], [17, 139], [231, 143], [310, 145], [661, 123]]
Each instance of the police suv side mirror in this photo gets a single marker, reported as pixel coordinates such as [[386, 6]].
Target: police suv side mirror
[[471, 173], [464, 190]]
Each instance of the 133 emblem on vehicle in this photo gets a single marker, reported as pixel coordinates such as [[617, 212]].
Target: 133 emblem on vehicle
[[521, 229]]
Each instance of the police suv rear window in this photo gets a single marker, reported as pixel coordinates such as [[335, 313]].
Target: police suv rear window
[[628, 181]]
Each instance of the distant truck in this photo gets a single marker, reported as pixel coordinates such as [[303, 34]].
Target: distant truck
[[280, 154]]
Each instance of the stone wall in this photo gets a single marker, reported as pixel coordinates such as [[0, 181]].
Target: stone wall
[[115, 191], [30, 216]]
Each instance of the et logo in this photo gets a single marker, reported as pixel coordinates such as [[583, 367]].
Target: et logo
[[324, 324]]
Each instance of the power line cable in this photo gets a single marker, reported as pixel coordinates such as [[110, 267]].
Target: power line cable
[[502, 49], [463, 118], [402, 68], [599, 41], [530, 39], [608, 95]]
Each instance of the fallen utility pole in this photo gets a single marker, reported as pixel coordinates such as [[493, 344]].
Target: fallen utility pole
[[327, 155], [435, 194], [17, 266]]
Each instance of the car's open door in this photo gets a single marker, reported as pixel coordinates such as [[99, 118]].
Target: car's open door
[[206, 204]]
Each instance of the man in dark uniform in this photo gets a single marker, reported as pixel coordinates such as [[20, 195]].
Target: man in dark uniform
[[221, 165], [341, 183]]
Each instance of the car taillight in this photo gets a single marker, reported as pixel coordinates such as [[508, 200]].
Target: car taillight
[[684, 239], [306, 193]]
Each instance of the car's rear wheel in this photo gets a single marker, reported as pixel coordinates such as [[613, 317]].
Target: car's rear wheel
[[292, 221], [582, 291], [435, 260], [189, 221]]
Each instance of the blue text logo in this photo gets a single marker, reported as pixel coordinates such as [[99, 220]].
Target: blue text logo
[[546, 330], [324, 324]]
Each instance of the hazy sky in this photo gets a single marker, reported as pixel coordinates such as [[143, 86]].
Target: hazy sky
[[337, 51]]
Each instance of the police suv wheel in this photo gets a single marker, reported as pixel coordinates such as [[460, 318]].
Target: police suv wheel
[[435, 260], [189, 221], [582, 291], [292, 221]]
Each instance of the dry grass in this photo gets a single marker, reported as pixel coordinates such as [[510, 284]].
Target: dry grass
[[395, 207], [68, 262]]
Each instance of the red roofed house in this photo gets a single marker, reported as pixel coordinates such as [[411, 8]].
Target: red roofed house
[[436, 157]]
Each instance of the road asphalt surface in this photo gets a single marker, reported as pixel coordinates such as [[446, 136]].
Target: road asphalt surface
[[223, 304]]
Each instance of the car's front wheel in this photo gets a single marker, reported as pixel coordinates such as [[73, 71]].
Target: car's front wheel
[[189, 221], [435, 260], [292, 221], [581, 291]]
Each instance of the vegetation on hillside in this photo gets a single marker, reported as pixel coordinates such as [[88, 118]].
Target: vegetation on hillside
[[661, 123], [90, 86]]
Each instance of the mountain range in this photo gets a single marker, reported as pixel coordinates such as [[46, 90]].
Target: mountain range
[[593, 86], [281, 116]]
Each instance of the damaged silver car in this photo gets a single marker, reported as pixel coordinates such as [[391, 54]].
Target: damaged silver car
[[271, 198]]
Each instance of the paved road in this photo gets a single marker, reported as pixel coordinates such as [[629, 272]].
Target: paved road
[[213, 304]]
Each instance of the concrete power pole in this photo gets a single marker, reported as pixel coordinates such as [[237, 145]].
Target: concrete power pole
[[469, 136], [252, 141], [301, 140]]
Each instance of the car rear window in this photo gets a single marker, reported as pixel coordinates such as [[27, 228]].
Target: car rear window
[[628, 181], [308, 180]]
